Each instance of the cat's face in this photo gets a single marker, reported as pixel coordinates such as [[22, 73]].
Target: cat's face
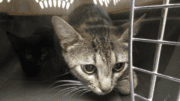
[[97, 67], [33, 52], [97, 56]]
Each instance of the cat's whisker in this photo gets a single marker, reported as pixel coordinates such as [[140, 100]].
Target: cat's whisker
[[77, 88], [85, 92], [64, 81], [73, 81], [65, 85], [84, 89], [70, 92], [62, 74], [65, 89]]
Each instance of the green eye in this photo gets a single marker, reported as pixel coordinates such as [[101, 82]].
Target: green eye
[[89, 69], [118, 67]]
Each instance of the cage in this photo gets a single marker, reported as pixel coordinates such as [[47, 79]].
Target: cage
[[153, 53], [155, 91]]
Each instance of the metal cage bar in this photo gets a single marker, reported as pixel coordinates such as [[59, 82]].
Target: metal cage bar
[[131, 26], [159, 42], [141, 97], [178, 99], [158, 49], [157, 6], [158, 74]]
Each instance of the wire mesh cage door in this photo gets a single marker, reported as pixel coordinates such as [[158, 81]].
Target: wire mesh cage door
[[154, 74]]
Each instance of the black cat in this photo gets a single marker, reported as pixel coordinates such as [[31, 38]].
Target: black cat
[[33, 52]]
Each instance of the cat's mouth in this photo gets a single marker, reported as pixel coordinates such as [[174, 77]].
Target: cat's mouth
[[99, 91]]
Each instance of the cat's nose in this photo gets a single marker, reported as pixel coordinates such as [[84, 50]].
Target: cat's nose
[[105, 85], [106, 90]]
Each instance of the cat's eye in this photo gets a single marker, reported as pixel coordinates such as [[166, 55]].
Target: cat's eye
[[118, 67], [89, 69], [28, 56]]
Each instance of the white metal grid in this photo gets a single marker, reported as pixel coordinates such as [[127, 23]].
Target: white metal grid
[[159, 42]]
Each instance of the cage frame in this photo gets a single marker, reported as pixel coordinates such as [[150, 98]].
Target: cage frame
[[154, 74]]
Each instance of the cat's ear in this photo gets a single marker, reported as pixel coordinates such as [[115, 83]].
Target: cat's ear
[[125, 35], [14, 40], [65, 32]]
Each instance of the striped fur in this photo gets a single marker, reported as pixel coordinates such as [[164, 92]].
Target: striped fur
[[88, 37]]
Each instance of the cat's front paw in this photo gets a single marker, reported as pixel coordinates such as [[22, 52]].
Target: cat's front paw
[[123, 85]]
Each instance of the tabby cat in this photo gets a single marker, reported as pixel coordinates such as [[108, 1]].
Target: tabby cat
[[95, 50], [33, 52]]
